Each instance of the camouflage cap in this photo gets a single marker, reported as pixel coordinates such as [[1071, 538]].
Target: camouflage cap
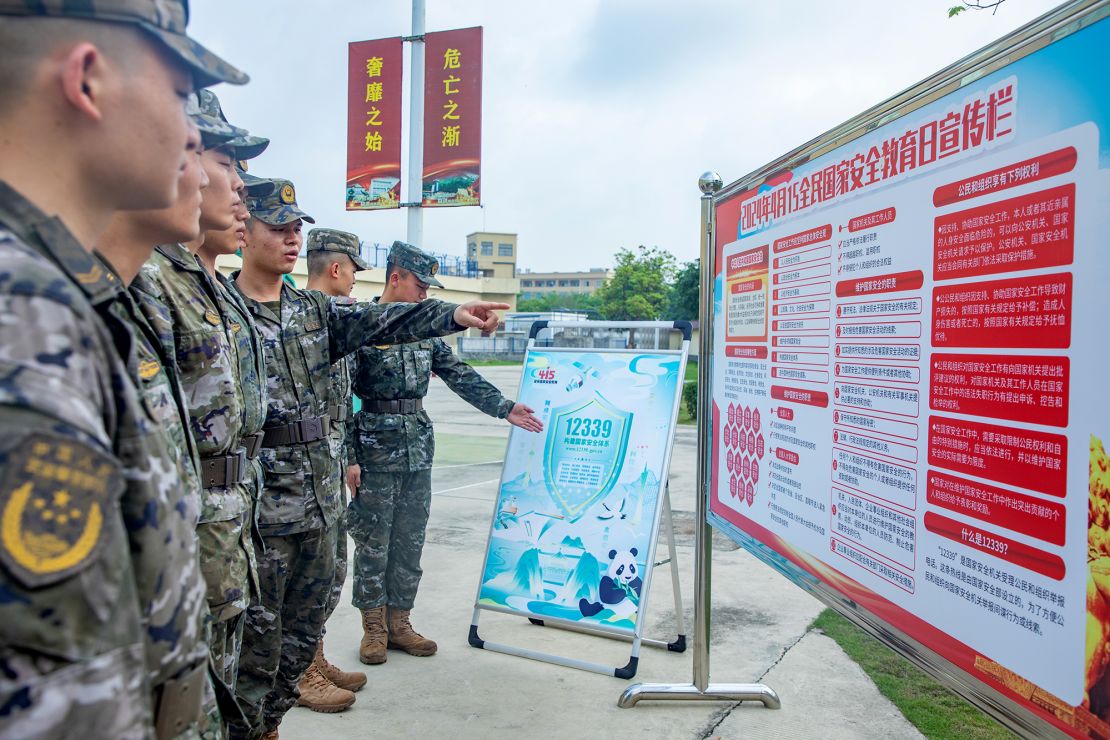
[[279, 207], [248, 146], [204, 110], [163, 19], [257, 187], [342, 242], [224, 133], [416, 261]]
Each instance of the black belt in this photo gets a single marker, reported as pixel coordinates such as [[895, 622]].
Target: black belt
[[340, 412], [227, 470], [396, 406], [308, 429], [178, 702]]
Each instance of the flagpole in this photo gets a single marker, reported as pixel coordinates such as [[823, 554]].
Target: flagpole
[[415, 235]]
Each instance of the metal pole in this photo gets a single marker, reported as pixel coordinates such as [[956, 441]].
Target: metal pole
[[415, 191], [701, 689], [703, 537]]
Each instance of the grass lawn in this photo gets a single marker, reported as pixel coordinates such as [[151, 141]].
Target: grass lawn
[[492, 363], [932, 709]]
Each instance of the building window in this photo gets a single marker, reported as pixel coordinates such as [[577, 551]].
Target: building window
[[574, 283], [526, 283], [504, 250], [473, 250], [586, 283], [487, 249], [551, 283]]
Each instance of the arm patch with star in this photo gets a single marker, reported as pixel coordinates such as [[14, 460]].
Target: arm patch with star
[[54, 497]]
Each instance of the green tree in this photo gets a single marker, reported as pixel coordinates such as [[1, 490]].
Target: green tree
[[640, 287], [991, 5], [686, 293], [581, 302]]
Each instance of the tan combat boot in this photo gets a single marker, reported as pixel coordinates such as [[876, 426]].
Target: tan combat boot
[[321, 695], [403, 637], [350, 680], [271, 735], [371, 650]]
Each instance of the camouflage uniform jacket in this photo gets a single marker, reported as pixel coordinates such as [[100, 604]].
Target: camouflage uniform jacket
[[341, 390], [301, 491], [208, 331], [204, 325], [100, 592], [405, 442]]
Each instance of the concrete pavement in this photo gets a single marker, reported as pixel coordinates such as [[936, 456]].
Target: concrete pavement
[[760, 633]]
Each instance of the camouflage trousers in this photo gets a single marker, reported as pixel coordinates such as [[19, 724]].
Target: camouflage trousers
[[224, 645], [227, 562], [340, 564], [387, 521], [295, 575]]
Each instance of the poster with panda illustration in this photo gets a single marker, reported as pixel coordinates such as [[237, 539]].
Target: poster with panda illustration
[[578, 503]]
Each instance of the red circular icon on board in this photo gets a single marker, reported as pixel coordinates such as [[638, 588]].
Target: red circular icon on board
[[834, 509], [834, 464], [836, 393]]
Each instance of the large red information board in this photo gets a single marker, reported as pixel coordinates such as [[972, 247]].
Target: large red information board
[[910, 400]]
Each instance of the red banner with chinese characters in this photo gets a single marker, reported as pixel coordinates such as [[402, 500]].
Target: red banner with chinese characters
[[452, 117], [374, 124]]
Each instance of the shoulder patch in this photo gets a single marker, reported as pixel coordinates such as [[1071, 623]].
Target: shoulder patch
[[382, 346], [54, 496], [212, 317], [148, 369]]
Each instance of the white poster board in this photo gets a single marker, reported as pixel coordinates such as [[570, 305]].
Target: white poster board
[[578, 506]]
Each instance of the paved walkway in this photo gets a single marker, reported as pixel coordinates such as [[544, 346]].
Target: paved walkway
[[760, 633]]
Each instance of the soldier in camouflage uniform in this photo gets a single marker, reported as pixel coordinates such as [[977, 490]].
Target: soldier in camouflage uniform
[[303, 333], [208, 332], [394, 445], [103, 610], [333, 261]]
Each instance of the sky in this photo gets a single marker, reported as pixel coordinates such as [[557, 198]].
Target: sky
[[598, 116]]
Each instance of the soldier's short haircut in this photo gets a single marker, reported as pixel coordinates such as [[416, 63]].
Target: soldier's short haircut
[[26, 42], [321, 261], [393, 267]]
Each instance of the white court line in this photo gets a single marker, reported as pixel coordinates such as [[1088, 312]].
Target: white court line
[[470, 485], [465, 465]]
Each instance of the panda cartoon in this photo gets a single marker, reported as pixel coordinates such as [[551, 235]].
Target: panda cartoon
[[619, 590]]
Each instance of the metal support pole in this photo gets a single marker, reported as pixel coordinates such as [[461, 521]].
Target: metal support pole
[[415, 235], [701, 689]]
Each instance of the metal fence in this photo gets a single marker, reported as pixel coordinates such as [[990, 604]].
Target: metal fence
[[377, 254], [512, 346]]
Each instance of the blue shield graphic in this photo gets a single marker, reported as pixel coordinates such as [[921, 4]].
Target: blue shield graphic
[[584, 453]]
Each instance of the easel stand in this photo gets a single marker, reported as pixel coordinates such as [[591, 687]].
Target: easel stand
[[666, 525], [700, 689]]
